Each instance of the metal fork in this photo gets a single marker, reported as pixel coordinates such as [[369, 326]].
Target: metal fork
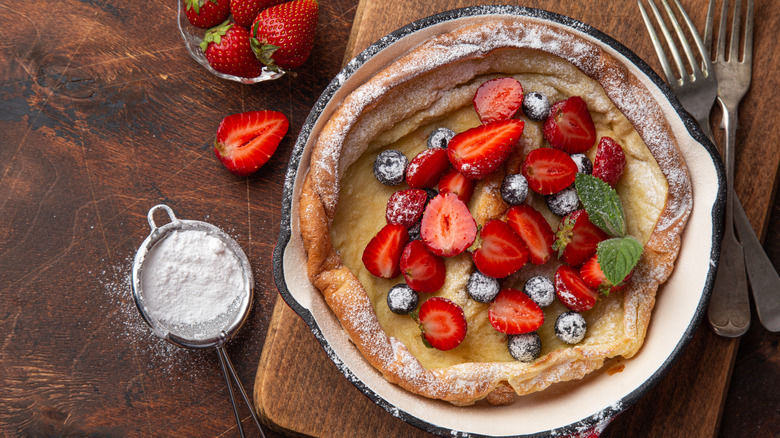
[[729, 310], [734, 83]]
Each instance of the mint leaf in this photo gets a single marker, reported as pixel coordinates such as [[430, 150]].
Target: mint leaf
[[602, 204], [618, 256]]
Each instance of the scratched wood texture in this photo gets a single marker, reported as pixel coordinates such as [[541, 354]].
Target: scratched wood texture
[[103, 115], [288, 387]]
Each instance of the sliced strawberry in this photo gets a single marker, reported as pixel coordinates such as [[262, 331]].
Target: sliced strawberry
[[535, 231], [383, 253], [514, 313], [447, 227], [570, 127], [443, 323], [594, 277], [572, 290], [423, 271], [549, 170], [498, 99], [405, 207], [610, 161], [500, 250], [427, 167], [479, 151], [577, 238], [246, 141], [454, 182]]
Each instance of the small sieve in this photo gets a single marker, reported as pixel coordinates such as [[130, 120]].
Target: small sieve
[[213, 333]]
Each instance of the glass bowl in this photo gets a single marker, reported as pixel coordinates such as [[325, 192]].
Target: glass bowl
[[193, 36]]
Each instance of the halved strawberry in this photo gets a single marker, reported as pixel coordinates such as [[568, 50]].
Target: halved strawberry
[[479, 151], [577, 238], [572, 290], [423, 271], [593, 276], [500, 251], [443, 323], [610, 161], [453, 182], [383, 253], [535, 231], [405, 207], [548, 170], [570, 126], [498, 99], [447, 227], [427, 167], [246, 141], [514, 313]]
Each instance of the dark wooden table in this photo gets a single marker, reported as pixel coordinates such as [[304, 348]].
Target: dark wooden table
[[104, 115]]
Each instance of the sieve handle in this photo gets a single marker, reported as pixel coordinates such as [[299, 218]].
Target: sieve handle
[[153, 210], [230, 372]]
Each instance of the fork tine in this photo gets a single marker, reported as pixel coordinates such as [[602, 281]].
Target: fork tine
[[747, 56], [670, 42], [721, 50], [736, 19], [706, 66], [708, 27], [659, 49]]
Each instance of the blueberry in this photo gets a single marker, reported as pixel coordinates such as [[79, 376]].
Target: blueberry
[[583, 163], [514, 189], [402, 299], [414, 231], [540, 289], [536, 106], [482, 288], [432, 193], [563, 202], [570, 327], [390, 167], [440, 137], [525, 347]]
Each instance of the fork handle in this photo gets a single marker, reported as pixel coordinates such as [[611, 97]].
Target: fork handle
[[729, 309], [764, 280]]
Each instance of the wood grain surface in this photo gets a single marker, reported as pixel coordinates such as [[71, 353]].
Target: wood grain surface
[[103, 115]]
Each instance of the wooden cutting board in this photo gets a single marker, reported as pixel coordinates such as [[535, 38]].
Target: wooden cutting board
[[298, 390]]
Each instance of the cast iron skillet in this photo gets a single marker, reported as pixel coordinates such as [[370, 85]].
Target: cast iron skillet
[[295, 160]]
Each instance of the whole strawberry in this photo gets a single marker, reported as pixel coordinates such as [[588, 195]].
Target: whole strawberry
[[283, 35], [245, 11], [227, 50], [206, 13]]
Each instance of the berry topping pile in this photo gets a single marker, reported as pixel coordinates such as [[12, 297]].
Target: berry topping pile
[[586, 254]]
